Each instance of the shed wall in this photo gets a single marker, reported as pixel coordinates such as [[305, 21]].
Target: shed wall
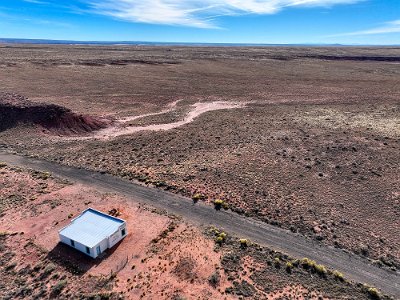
[[103, 247], [78, 246], [117, 236], [106, 243]]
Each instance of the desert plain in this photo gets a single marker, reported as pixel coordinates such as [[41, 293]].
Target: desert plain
[[301, 138]]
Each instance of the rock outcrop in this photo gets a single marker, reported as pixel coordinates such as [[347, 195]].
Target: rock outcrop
[[16, 110]]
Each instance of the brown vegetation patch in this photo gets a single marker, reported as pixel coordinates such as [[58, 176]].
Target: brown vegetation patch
[[257, 272], [185, 269]]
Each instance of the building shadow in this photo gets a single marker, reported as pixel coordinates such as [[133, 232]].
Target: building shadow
[[75, 261]]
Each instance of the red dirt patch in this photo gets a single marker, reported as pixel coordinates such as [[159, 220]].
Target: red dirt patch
[[151, 260], [16, 110], [179, 263]]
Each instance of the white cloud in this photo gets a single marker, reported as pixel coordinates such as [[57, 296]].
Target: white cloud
[[196, 13], [36, 1], [388, 27]]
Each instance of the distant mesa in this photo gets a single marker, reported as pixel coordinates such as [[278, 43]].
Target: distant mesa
[[16, 110]]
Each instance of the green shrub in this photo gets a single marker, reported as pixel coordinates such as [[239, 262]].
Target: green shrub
[[49, 268], [218, 203], [308, 263], [56, 289], [2, 164], [46, 175], [198, 196], [277, 262], [214, 230], [221, 237], [219, 240], [296, 263], [320, 269], [243, 243], [373, 292], [338, 275], [41, 175], [289, 267]]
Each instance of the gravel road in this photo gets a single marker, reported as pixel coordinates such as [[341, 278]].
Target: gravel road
[[353, 267]]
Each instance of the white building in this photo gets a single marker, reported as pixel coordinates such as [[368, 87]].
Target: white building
[[92, 232]]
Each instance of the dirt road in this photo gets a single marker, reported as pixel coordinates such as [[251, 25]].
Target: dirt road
[[352, 266]]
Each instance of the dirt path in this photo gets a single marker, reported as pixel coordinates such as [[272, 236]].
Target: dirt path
[[120, 127], [352, 266], [170, 107]]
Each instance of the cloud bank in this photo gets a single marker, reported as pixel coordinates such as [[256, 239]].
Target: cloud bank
[[388, 27], [196, 13]]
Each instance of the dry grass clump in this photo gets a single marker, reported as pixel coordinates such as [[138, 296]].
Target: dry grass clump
[[338, 275], [56, 289], [277, 262], [310, 264], [218, 204], [221, 237], [289, 266], [372, 292], [196, 197], [244, 243], [214, 279]]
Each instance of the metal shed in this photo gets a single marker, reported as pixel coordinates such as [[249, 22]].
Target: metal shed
[[93, 231]]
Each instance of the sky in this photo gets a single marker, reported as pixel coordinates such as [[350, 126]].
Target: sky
[[353, 22]]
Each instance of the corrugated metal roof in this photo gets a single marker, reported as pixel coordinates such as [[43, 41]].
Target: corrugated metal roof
[[91, 227]]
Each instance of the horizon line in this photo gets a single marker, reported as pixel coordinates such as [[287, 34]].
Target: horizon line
[[156, 43]]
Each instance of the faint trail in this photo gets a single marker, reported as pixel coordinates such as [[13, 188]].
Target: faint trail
[[197, 109], [170, 107]]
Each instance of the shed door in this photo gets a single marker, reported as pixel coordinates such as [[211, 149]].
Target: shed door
[[98, 250]]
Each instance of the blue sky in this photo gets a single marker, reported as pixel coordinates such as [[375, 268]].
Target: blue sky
[[213, 21]]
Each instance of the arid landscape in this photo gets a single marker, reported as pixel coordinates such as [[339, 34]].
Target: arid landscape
[[163, 257], [301, 138]]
